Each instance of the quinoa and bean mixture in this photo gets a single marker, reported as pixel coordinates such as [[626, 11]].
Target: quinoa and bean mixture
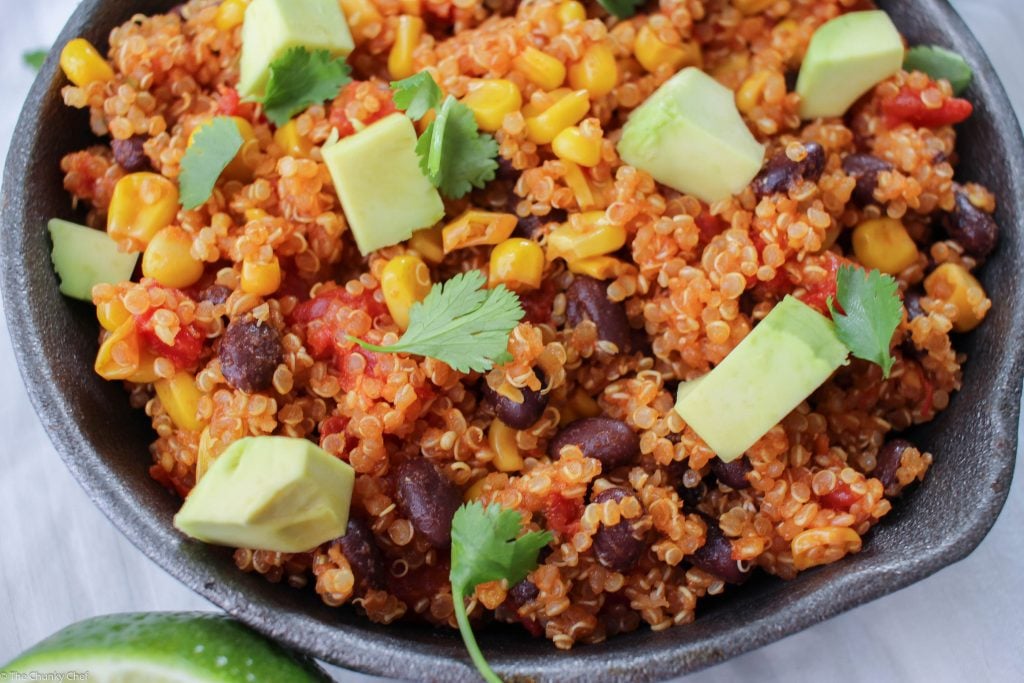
[[242, 318]]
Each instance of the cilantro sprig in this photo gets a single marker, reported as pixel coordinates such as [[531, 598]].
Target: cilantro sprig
[[486, 546], [300, 78], [416, 95], [870, 312], [460, 323], [621, 9], [454, 155], [216, 143], [34, 58]]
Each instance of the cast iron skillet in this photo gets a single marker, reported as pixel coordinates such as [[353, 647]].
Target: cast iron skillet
[[104, 442]]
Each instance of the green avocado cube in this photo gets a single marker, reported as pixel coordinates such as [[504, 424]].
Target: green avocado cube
[[847, 56], [780, 363], [272, 27], [384, 193], [688, 135], [84, 257], [270, 493]]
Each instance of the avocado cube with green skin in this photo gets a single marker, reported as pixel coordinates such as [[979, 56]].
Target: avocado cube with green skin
[[384, 193], [847, 56], [272, 27], [689, 135], [777, 366], [84, 257], [270, 493]]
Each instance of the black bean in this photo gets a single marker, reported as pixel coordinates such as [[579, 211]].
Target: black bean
[[887, 462], [864, 168], [428, 499], [732, 474], [782, 173], [587, 299], [973, 229], [616, 546], [603, 438], [215, 294], [363, 555], [691, 497], [912, 302], [129, 153], [518, 415], [715, 556], [529, 226], [250, 351], [523, 592]]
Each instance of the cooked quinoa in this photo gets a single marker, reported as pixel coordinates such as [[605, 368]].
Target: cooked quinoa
[[639, 537]]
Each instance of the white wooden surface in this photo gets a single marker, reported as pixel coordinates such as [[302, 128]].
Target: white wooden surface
[[61, 561]]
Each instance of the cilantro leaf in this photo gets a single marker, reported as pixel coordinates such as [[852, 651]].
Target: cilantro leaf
[[871, 311], [485, 548], [34, 58], [300, 78], [416, 95], [216, 143], [459, 323], [454, 154], [622, 9], [938, 62]]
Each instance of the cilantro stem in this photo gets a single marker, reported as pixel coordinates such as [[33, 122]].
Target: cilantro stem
[[469, 639]]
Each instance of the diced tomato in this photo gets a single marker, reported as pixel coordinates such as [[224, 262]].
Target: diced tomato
[[339, 113], [907, 107], [228, 101], [187, 346], [708, 224], [818, 294], [538, 303], [563, 514], [841, 497]]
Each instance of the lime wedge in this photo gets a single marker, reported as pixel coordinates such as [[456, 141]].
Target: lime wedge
[[164, 647]]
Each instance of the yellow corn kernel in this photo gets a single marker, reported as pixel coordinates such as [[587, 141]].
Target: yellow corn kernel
[[142, 205], [571, 11], [566, 112], [517, 263], [750, 7], [596, 72], [180, 399], [474, 228], [884, 243], [168, 259], [361, 15], [261, 279], [540, 69], [542, 101], [428, 243], [288, 139], [407, 37], [577, 182], [598, 267], [118, 356], [579, 405], [652, 52], [831, 542], [145, 373], [413, 7], [404, 281], [952, 283], [111, 314], [475, 491], [490, 99], [254, 214], [83, 64], [237, 169], [230, 14], [502, 440], [585, 235], [731, 70], [749, 94], [572, 145]]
